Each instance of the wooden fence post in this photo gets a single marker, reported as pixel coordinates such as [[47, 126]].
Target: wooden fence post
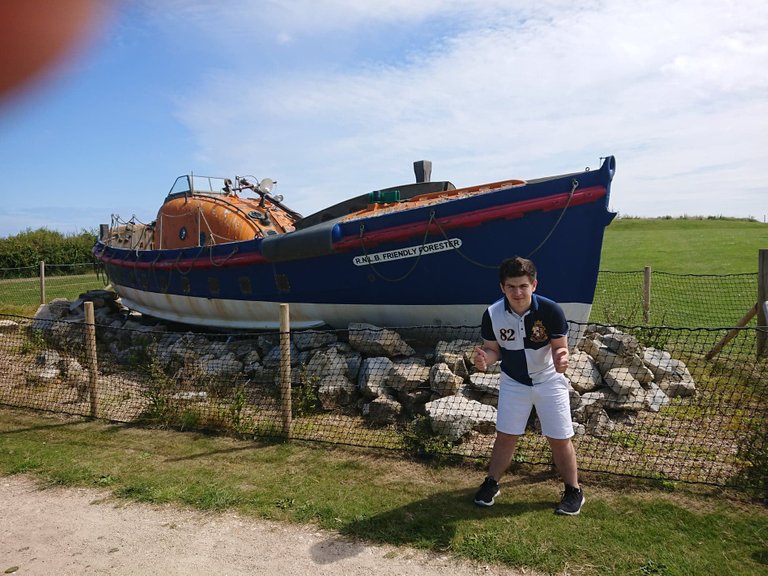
[[285, 369], [42, 281], [90, 354], [762, 303], [732, 333], [647, 294]]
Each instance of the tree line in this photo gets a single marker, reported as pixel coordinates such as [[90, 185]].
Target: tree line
[[29, 247]]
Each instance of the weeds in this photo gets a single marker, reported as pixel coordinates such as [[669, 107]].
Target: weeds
[[304, 399], [236, 408], [653, 336], [156, 392], [34, 342], [754, 451], [625, 439], [422, 443]]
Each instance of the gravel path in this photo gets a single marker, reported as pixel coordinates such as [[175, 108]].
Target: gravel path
[[77, 531]]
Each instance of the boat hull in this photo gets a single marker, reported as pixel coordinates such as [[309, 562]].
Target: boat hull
[[430, 265]]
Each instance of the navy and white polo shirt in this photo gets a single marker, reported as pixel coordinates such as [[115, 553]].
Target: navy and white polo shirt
[[524, 340]]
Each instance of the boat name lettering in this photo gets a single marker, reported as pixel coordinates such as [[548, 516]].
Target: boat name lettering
[[407, 252]]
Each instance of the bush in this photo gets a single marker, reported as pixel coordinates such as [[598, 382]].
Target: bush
[[28, 248]]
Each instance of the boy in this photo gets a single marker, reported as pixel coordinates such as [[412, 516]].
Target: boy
[[528, 333]]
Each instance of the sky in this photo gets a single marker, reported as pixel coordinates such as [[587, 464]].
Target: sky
[[335, 98]]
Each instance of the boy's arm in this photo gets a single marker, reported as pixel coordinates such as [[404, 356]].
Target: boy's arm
[[560, 353]]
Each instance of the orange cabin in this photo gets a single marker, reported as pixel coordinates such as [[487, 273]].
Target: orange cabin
[[204, 211]]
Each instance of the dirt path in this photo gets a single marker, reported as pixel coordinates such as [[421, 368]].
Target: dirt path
[[84, 531]]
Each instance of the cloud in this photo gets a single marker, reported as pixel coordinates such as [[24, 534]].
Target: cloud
[[336, 97]]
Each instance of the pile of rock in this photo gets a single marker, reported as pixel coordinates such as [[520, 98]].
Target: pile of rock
[[613, 375], [369, 370]]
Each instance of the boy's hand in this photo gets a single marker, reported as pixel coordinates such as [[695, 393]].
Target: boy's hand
[[560, 357], [481, 359]]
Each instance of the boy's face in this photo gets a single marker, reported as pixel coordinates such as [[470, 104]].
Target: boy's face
[[518, 291]]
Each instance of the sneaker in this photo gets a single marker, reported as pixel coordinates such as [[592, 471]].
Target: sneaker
[[488, 492], [570, 504]]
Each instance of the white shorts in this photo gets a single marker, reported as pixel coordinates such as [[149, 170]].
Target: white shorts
[[551, 399]]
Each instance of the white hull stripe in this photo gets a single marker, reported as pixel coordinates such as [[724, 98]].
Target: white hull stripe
[[243, 314]]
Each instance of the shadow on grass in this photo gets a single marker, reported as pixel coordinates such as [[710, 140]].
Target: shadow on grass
[[431, 523], [761, 557], [43, 427], [208, 453]]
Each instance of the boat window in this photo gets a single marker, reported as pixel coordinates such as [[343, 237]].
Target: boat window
[[282, 283], [181, 185], [208, 185], [245, 285], [142, 278], [204, 184]]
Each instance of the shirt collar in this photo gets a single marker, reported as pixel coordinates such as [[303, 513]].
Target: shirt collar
[[534, 306]]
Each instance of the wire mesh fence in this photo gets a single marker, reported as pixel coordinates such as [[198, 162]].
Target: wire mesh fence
[[702, 300], [23, 289], [649, 402]]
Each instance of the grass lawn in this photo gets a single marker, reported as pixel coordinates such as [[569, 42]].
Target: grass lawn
[[683, 246], [626, 527], [686, 256], [21, 296]]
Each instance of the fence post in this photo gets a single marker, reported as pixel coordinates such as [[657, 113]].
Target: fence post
[[732, 333], [42, 281], [762, 303], [90, 354], [646, 294], [285, 369]]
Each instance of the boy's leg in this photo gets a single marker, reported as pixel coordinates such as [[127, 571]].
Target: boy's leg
[[514, 407], [553, 407], [564, 455], [501, 456], [554, 411]]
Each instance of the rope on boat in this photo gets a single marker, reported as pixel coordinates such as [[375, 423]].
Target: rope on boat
[[178, 268], [225, 259], [574, 186], [460, 253], [152, 270], [410, 271], [201, 214], [212, 235]]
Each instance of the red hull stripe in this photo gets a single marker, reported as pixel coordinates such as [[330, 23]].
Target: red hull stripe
[[187, 264], [393, 234]]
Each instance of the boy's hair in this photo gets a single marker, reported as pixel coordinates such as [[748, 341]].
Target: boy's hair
[[515, 267]]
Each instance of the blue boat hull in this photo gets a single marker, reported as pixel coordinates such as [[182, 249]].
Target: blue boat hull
[[431, 265]]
